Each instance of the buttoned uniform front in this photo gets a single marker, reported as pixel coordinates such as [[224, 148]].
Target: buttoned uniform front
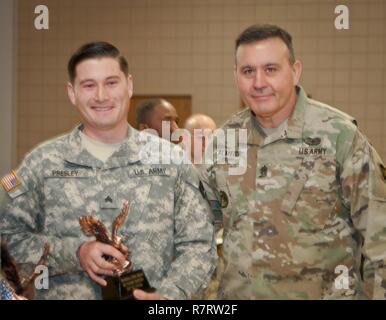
[[309, 207], [169, 229]]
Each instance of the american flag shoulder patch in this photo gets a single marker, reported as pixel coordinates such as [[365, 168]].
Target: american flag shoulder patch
[[10, 181]]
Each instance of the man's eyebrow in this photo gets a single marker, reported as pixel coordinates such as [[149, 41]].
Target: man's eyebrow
[[92, 80], [247, 66], [272, 64], [167, 117], [269, 64], [113, 77], [86, 80]]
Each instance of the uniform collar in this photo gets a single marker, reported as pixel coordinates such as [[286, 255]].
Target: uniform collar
[[296, 121], [127, 153], [255, 134]]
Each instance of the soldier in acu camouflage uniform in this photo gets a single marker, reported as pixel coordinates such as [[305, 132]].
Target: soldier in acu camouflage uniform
[[92, 170], [6, 292], [307, 218]]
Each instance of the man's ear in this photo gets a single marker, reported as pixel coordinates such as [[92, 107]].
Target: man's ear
[[130, 85], [297, 68], [71, 93]]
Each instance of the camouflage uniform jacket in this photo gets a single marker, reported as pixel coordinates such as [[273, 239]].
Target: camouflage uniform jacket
[[169, 228], [307, 219]]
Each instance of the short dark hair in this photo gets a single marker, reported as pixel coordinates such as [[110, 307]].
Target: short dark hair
[[144, 110], [259, 32], [97, 49]]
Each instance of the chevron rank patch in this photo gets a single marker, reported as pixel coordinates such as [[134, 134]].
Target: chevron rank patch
[[10, 181]]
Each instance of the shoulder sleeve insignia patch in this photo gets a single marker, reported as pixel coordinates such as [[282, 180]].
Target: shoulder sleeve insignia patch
[[10, 181]]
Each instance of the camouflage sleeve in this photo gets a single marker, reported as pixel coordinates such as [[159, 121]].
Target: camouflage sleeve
[[210, 189], [363, 180], [22, 222], [194, 245], [4, 200]]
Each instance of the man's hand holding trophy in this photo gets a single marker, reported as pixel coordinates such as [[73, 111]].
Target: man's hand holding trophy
[[109, 257]]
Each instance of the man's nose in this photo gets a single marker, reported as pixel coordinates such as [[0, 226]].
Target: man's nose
[[101, 93], [260, 80]]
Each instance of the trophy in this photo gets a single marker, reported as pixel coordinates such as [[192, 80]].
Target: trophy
[[120, 286]]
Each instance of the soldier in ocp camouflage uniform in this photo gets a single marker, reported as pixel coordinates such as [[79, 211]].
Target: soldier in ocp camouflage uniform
[[169, 229], [307, 218]]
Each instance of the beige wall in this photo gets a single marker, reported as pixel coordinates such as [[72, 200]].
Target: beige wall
[[186, 47], [7, 87]]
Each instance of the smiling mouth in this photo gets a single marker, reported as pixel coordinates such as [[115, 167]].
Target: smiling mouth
[[262, 97], [102, 109]]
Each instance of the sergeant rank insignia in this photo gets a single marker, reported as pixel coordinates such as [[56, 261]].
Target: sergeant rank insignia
[[10, 181], [223, 199]]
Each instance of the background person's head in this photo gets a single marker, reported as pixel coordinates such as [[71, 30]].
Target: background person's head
[[151, 113], [200, 127], [100, 87], [267, 72]]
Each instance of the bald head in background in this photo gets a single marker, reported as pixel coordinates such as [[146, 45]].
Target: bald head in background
[[200, 127], [151, 113]]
